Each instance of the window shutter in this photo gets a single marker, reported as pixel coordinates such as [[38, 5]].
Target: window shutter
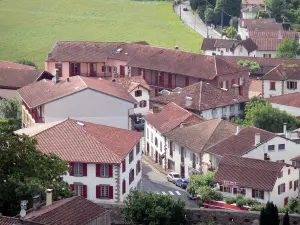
[[253, 193], [221, 188], [291, 185], [97, 170], [84, 169], [262, 193], [279, 189], [284, 187], [234, 190], [97, 191], [72, 187], [295, 186], [84, 191], [78, 69], [110, 170], [71, 169], [111, 192], [289, 171], [103, 68], [70, 69], [124, 165]]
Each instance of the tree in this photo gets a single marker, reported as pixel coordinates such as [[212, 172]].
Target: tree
[[231, 32], [196, 181], [276, 7], [234, 22], [293, 205], [262, 14], [289, 48], [209, 15], [286, 219], [253, 66], [269, 215], [10, 113], [27, 62], [148, 208], [229, 7], [26, 172], [207, 193]]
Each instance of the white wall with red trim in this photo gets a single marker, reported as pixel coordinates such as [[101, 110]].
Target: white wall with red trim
[[280, 88], [141, 107]]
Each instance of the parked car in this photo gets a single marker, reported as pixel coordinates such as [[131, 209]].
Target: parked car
[[182, 183], [173, 177], [192, 196]]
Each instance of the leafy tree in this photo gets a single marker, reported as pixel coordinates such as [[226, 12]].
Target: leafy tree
[[289, 48], [26, 172], [10, 112], [207, 193], [148, 208], [209, 15], [198, 180], [286, 219], [269, 215], [229, 7], [276, 7], [194, 4], [231, 32], [27, 62], [293, 205], [253, 66], [234, 22], [262, 14]]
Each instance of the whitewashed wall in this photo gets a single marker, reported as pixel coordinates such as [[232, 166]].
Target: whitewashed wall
[[208, 114], [295, 111], [145, 96], [266, 89]]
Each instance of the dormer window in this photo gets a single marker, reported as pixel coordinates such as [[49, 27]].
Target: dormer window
[[138, 93]]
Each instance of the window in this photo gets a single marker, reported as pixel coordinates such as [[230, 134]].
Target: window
[[281, 146], [214, 113], [124, 165], [280, 174], [131, 176], [296, 184], [272, 85], [74, 69], [131, 156], [171, 148], [258, 194], [104, 191], [115, 69], [280, 161], [156, 141], [103, 170], [123, 186], [291, 85], [241, 106], [271, 147], [241, 80], [143, 104], [138, 167], [294, 163], [78, 170], [78, 189], [227, 49], [267, 55], [291, 185], [138, 148], [281, 188], [138, 93], [227, 189]]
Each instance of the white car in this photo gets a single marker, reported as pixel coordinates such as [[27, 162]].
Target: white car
[[173, 176]]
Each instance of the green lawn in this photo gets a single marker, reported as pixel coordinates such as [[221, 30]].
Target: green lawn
[[30, 27]]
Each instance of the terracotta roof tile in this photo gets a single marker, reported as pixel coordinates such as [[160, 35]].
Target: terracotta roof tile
[[255, 88], [74, 210], [265, 24], [248, 173], [272, 34], [130, 83], [45, 91], [204, 96], [126, 51], [12, 65], [267, 44], [292, 99], [90, 143], [201, 136], [5, 220], [170, 117], [253, 2], [243, 142], [281, 72]]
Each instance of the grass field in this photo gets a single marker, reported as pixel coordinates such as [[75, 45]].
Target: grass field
[[30, 27]]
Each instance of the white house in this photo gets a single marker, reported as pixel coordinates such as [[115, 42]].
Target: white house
[[228, 47], [260, 179], [206, 100], [280, 80], [169, 118], [105, 162], [89, 99], [250, 12], [247, 3]]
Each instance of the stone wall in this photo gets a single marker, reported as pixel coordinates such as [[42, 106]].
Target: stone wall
[[202, 215]]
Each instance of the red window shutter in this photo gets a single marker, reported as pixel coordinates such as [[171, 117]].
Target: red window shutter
[[124, 166], [279, 189], [132, 174], [284, 187], [97, 191], [110, 170], [170, 80], [103, 68], [71, 169], [111, 192], [72, 187], [253, 193], [97, 170], [84, 169], [161, 79], [262, 194], [84, 191], [229, 189], [291, 185], [71, 69], [124, 186], [187, 81], [234, 190]]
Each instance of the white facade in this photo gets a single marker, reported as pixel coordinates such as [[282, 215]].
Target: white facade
[[243, 32], [249, 15], [295, 111], [238, 51], [263, 54], [91, 180], [280, 88], [224, 112], [141, 94]]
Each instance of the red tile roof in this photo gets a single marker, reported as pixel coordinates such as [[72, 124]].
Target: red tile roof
[[292, 99], [5, 220], [89, 143], [267, 44], [181, 62], [201, 136], [248, 173], [255, 88], [46, 91], [170, 117], [243, 142], [12, 65], [17, 78], [253, 2], [281, 72], [131, 83], [126, 51], [75, 210], [265, 24], [204, 96], [272, 34]]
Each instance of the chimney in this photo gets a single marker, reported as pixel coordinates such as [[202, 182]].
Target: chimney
[[284, 128], [257, 139], [36, 202], [238, 129], [56, 75], [188, 101], [48, 197]]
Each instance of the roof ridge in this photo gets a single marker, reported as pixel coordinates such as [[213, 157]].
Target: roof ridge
[[217, 125], [82, 81]]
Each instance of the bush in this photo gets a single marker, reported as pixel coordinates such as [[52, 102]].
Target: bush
[[208, 193], [230, 200], [27, 62], [257, 207], [240, 202], [251, 201]]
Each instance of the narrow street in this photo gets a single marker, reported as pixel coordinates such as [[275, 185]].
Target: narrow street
[[194, 22], [155, 181]]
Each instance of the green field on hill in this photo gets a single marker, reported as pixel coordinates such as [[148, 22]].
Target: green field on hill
[[30, 27]]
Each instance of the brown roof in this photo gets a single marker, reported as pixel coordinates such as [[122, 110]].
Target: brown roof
[[248, 173], [12, 65], [272, 34], [170, 117], [243, 142], [203, 135], [126, 51], [249, 44], [46, 91], [75, 210], [204, 96], [90, 143], [5, 220], [292, 99], [255, 88], [269, 24], [181, 62], [131, 83], [281, 72], [82, 51], [253, 2], [17, 78], [267, 44]]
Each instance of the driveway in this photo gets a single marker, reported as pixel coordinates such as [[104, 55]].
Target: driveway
[[194, 22]]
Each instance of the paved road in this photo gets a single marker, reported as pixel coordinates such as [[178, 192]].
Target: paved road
[[193, 21], [155, 181]]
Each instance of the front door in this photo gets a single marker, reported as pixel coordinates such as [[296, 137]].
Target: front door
[[122, 70], [182, 172], [156, 156], [93, 69]]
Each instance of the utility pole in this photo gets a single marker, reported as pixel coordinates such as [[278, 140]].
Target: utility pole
[[222, 14], [206, 21], [180, 12]]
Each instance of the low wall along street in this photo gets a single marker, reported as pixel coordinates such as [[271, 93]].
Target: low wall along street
[[202, 215]]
